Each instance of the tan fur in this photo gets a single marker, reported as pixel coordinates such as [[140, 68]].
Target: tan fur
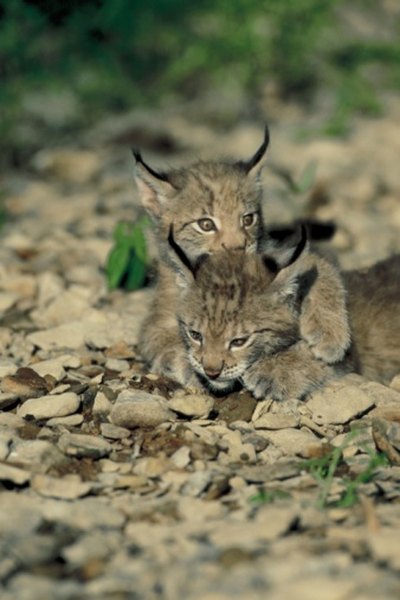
[[374, 308], [226, 193], [233, 296]]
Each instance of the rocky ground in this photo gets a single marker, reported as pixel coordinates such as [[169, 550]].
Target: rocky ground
[[116, 483]]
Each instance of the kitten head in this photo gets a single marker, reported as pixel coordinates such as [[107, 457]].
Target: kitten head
[[235, 308], [211, 205]]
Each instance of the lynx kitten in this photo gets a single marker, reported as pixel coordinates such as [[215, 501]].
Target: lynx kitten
[[239, 320], [214, 206]]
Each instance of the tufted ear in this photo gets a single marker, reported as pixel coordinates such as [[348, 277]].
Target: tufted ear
[[252, 165], [186, 268], [282, 259], [154, 186]]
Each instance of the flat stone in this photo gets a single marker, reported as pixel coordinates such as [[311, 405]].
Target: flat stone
[[55, 366], [296, 442], [94, 545], [7, 300], [67, 488], [191, 405], [19, 514], [276, 421], [50, 406], [25, 383], [181, 458], [114, 432], [151, 466], [381, 395], [117, 364], [14, 474], [339, 407], [101, 405], [395, 383], [82, 445], [137, 409], [68, 421], [38, 454], [87, 513]]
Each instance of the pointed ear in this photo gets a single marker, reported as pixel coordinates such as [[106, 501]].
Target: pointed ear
[[154, 186], [252, 166], [186, 268], [281, 260]]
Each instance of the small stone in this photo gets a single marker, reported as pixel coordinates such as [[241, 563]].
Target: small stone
[[114, 432], [130, 481], [7, 367], [68, 421], [116, 364], [38, 454], [14, 474], [67, 488], [55, 366], [49, 406], [26, 383], [94, 545], [276, 421], [137, 409], [151, 466], [191, 405], [7, 300], [101, 405], [381, 395], [295, 441], [196, 483], [181, 458], [199, 510], [339, 406], [81, 445]]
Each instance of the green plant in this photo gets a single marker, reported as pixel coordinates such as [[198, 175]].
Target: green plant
[[127, 263], [268, 496], [325, 468]]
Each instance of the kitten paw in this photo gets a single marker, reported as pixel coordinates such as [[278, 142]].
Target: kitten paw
[[257, 383], [328, 342]]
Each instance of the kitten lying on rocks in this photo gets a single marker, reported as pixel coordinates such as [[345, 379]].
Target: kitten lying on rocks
[[213, 206], [240, 321]]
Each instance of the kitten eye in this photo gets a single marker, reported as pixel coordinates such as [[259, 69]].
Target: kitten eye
[[195, 335], [249, 219], [206, 225], [239, 342]]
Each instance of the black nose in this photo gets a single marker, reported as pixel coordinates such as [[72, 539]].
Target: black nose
[[212, 372]]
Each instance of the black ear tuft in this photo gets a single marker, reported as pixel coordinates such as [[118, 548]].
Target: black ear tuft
[[300, 246], [157, 174], [248, 165], [182, 257]]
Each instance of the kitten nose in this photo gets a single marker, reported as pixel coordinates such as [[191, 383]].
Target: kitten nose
[[212, 372]]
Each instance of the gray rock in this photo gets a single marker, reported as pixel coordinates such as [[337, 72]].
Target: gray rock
[[68, 421], [276, 421], [114, 432], [81, 445], [87, 513], [136, 409], [295, 441], [50, 406], [95, 545]]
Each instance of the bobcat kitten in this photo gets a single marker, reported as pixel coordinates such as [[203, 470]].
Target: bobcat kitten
[[239, 320], [214, 206]]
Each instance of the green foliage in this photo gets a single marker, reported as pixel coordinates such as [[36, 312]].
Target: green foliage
[[127, 263], [269, 496], [324, 469], [117, 54]]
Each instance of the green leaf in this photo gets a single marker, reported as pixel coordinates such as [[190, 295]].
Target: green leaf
[[136, 273], [139, 243], [117, 264]]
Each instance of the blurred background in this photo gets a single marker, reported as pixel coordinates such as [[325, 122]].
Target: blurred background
[[65, 66]]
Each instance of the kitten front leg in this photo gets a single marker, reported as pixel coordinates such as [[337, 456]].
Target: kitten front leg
[[292, 373], [324, 321]]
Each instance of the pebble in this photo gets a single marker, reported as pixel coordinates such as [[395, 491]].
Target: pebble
[[191, 405], [276, 421], [140, 409], [114, 432], [67, 488], [68, 421], [339, 407], [295, 441], [81, 445], [14, 474], [50, 406]]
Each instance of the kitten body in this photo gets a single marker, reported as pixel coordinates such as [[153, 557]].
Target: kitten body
[[240, 323], [214, 206]]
